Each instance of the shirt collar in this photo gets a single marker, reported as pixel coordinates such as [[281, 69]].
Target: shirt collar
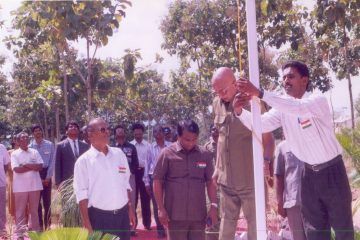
[[166, 144], [179, 148], [93, 152], [71, 140]]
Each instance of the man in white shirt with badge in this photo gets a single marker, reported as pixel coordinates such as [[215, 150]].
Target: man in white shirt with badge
[[101, 185], [26, 164], [306, 121]]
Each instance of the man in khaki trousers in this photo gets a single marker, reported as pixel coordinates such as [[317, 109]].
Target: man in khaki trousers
[[234, 172]]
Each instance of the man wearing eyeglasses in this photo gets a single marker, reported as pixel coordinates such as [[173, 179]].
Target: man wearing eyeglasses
[[67, 152], [101, 185]]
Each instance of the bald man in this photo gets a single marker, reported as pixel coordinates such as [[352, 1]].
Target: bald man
[[101, 185], [234, 173]]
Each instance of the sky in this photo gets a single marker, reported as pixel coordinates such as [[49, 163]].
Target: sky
[[140, 29]]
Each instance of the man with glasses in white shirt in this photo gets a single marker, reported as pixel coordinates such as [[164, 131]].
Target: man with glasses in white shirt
[[101, 185]]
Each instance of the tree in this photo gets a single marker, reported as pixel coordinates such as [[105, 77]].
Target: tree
[[62, 22], [336, 25]]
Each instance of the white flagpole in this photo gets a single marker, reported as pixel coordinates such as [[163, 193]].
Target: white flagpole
[[256, 123]]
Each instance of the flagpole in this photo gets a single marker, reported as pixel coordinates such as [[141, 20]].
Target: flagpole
[[256, 113]]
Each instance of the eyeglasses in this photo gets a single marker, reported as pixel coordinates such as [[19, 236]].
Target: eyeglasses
[[102, 130]]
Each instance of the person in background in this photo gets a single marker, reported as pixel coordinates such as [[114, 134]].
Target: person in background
[[132, 158], [143, 149], [288, 170], [67, 152], [156, 148], [47, 153], [10, 174], [4, 165], [26, 164]]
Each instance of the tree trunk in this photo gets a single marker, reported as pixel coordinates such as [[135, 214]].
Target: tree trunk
[[351, 101], [349, 80], [57, 124], [46, 133], [88, 81], [66, 93]]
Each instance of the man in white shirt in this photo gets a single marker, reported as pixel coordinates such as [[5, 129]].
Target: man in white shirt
[[101, 185], [26, 164], [143, 149], [308, 129], [156, 147], [4, 164]]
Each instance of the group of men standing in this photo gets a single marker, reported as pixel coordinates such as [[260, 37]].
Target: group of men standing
[[177, 176]]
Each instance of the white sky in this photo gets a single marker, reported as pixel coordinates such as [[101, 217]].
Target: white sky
[[140, 29]]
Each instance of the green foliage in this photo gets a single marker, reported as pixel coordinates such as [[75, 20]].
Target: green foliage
[[351, 147], [65, 202], [70, 234]]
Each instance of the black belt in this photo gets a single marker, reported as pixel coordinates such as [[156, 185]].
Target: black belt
[[111, 212], [321, 166]]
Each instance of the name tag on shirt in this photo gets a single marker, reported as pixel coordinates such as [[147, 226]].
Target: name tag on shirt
[[122, 169], [46, 153], [304, 123], [201, 164]]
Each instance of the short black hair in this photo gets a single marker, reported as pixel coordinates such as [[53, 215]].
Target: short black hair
[[35, 126], [188, 125], [138, 125], [301, 67], [119, 126], [72, 122]]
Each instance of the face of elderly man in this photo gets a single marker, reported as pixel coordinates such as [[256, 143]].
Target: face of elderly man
[[99, 132], [223, 83]]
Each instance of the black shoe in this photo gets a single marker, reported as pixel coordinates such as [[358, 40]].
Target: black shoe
[[148, 228], [133, 234]]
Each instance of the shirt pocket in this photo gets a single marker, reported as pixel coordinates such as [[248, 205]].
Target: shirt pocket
[[177, 168], [197, 169]]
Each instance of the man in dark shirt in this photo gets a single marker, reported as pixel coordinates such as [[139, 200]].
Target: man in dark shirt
[[182, 171], [131, 155]]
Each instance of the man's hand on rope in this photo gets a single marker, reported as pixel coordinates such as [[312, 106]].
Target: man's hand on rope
[[245, 87]]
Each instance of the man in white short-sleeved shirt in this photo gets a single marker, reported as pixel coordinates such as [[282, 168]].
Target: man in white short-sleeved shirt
[[4, 163], [101, 185], [26, 164]]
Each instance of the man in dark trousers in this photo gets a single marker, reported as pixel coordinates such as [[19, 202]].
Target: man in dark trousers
[[131, 155], [67, 152], [101, 185], [47, 153], [143, 149], [307, 124]]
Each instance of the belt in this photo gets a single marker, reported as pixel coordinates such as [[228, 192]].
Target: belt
[[111, 212], [321, 166]]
